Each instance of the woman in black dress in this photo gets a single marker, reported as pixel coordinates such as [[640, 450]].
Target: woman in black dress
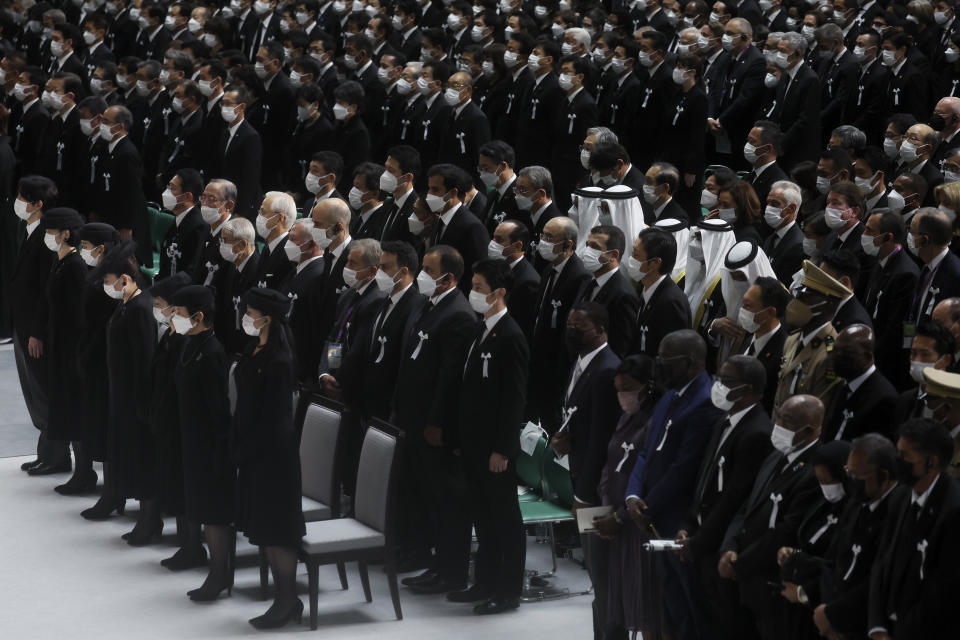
[[265, 448], [165, 426], [131, 339], [64, 292], [203, 403], [96, 238]]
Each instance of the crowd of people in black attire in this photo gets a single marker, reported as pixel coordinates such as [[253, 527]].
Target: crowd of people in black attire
[[709, 251]]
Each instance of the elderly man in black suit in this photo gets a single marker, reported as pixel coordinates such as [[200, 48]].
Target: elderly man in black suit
[[784, 246], [609, 286], [511, 241], [560, 282], [763, 148], [784, 489], [331, 232], [865, 400], [238, 152], [738, 445], [304, 286], [239, 250], [467, 129], [798, 102], [279, 109], [662, 306], [918, 556], [864, 103], [929, 239], [763, 305]]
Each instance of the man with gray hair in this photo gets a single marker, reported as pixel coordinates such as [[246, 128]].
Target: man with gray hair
[[277, 214], [304, 286], [836, 66], [797, 109], [595, 136], [536, 185], [331, 232], [238, 249], [784, 247], [216, 206]]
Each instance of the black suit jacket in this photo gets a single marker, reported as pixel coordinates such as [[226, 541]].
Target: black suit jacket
[[523, 296], [945, 284], [492, 393], [28, 281], [305, 290], [593, 411], [121, 202], [619, 298], [838, 81], [500, 208], [570, 128], [274, 266], [386, 350], [466, 234], [426, 131], [646, 115], [771, 357], [864, 106], [726, 477], [240, 163], [536, 122], [889, 292], [333, 286], [352, 141], [743, 90], [667, 311], [230, 285], [786, 256], [182, 246], [852, 312], [462, 136], [907, 92], [518, 95], [923, 603], [28, 132], [185, 146], [798, 114], [762, 183], [869, 408]]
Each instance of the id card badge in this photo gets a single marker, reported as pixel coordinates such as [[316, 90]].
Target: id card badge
[[909, 332], [334, 355]]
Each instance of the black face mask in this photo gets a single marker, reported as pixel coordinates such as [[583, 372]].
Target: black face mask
[[937, 122], [845, 368], [574, 339], [905, 473], [858, 490]]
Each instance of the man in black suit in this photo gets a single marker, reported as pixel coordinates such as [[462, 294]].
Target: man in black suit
[[560, 282], [784, 489], [495, 161], [844, 579], [609, 286], [907, 89], [520, 83], [64, 145], [455, 225], [916, 151], [663, 307], [864, 402], [889, 291], [187, 145], [28, 280], [277, 214], [29, 127], [216, 207], [933, 346], [351, 138], [864, 104], [157, 123], [764, 145], [929, 240], [742, 89], [842, 265], [182, 246], [489, 411], [433, 354], [661, 184], [844, 214], [262, 26], [121, 201], [467, 128], [534, 191], [238, 249], [331, 232], [536, 120], [399, 265], [154, 38], [64, 58], [871, 170], [405, 18], [97, 51], [784, 247], [575, 117], [511, 242], [798, 102], [620, 97], [279, 109], [304, 286], [401, 172], [919, 554], [370, 212], [838, 76], [323, 174], [738, 445], [652, 100], [238, 153], [358, 60], [763, 305]]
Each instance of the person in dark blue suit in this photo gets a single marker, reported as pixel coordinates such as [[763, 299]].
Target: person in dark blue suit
[[663, 480]]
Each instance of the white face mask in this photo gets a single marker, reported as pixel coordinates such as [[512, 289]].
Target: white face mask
[[88, 258], [747, 320], [566, 81], [86, 128], [304, 113], [312, 182], [708, 199], [917, 368], [403, 87], [864, 184], [488, 68], [292, 250], [20, 208], [545, 249], [750, 153], [650, 193], [355, 197], [181, 324], [435, 203], [810, 247], [635, 269], [834, 218], [488, 178], [209, 39], [782, 60], [350, 277], [194, 25], [388, 182], [229, 114], [495, 250], [823, 185], [773, 216], [143, 88], [340, 112], [833, 492], [727, 213], [770, 81], [524, 203], [169, 200], [478, 302], [584, 158], [727, 42], [320, 238], [951, 55], [110, 290], [718, 396], [866, 242], [426, 284], [452, 96], [679, 75], [591, 260], [158, 315], [534, 62], [413, 223], [105, 132], [782, 439], [912, 244], [384, 281], [889, 58], [896, 201], [908, 151], [890, 148], [50, 239], [261, 224], [209, 214], [249, 326]]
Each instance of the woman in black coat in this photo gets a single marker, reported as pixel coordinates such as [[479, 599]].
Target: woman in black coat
[[96, 239], [203, 403], [64, 292], [131, 339], [266, 450]]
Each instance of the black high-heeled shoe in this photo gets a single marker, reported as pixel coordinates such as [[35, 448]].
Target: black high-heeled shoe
[[267, 621], [208, 594], [143, 535], [186, 559], [104, 508], [78, 484]]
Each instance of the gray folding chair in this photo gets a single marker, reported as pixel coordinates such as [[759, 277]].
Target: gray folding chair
[[368, 536]]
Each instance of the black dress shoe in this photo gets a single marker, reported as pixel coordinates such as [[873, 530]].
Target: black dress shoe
[[45, 469], [414, 562], [437, 585], [476, 593], [78, 485], [26, 466], [186, 559], [426, 576], [496, 605]]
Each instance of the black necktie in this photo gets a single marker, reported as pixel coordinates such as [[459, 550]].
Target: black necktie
[[751, 350], [548, 290], [494, 199], [591, 287], [257, 41], [440, 227]]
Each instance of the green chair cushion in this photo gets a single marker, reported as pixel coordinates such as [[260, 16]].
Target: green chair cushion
[[543, 511]]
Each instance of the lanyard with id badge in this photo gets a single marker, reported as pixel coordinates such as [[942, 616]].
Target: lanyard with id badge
[[925, 295], [337, 348]]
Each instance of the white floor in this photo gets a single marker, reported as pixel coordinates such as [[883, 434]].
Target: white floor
[[62, 576]]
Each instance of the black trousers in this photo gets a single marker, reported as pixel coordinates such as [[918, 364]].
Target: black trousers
[[33, 383]]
